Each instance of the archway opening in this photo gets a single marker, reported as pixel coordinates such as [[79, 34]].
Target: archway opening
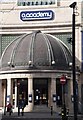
[[40, 91], [22, 90]]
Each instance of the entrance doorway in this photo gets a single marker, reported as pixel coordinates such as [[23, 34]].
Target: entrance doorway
[[22, 87], [3, 93], [59, 92], [40, 91]]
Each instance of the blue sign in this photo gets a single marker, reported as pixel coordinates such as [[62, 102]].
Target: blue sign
[[36, 15]]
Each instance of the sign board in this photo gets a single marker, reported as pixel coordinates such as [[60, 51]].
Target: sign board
[[37, 15], [30, 97], [54, 97], [63, 79], [8, 98]]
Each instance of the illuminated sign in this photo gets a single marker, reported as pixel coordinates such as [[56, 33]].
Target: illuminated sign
[[36, 15]]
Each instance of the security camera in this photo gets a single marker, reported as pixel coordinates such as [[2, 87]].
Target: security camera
[[73, 5]]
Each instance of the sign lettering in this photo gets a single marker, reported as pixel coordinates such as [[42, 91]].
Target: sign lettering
[[36, 15]]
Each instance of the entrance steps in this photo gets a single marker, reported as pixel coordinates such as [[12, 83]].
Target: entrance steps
[[41, 108]]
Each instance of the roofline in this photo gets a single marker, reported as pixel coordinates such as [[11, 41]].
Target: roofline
[[34, 71]]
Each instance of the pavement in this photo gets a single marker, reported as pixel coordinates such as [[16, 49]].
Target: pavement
[[38, 114]]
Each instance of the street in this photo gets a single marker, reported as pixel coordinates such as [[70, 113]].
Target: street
[[37, 116]]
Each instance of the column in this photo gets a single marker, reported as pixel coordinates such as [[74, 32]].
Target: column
[[53, 93], [71, 86], [0, 93], [30, 94], [4, 96], [8, 90], [15, 93], [49, 92], [71, 96]]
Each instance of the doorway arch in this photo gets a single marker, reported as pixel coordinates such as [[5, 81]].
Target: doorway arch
[[40, 86]]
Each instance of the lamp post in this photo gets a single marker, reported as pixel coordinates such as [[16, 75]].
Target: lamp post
[[73, 5]]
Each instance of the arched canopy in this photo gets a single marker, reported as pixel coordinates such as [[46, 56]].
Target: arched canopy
[[36, 51]]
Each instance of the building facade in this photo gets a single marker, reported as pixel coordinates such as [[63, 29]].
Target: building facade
[[51, 17]]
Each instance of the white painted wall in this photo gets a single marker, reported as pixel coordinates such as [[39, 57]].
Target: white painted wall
[[10, 17]]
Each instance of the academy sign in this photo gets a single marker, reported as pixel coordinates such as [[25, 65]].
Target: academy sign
[[36, 15]]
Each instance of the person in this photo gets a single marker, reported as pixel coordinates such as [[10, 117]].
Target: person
[[9, 108], [19, 105], [23, 104]]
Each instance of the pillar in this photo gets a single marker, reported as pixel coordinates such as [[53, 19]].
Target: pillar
[[53, 93], [30, 94], [4, 95], [15, 94], [71, 96], [49, 92], [0, 93], [8, 90]]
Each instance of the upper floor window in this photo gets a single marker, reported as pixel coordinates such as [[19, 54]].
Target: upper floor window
[[36, 2]]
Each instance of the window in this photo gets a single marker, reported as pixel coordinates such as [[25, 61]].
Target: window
[[36, 2], [64, 38], [5, 40]]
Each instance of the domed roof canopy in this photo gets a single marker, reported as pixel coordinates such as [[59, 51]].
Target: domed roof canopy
[[36, 51]]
